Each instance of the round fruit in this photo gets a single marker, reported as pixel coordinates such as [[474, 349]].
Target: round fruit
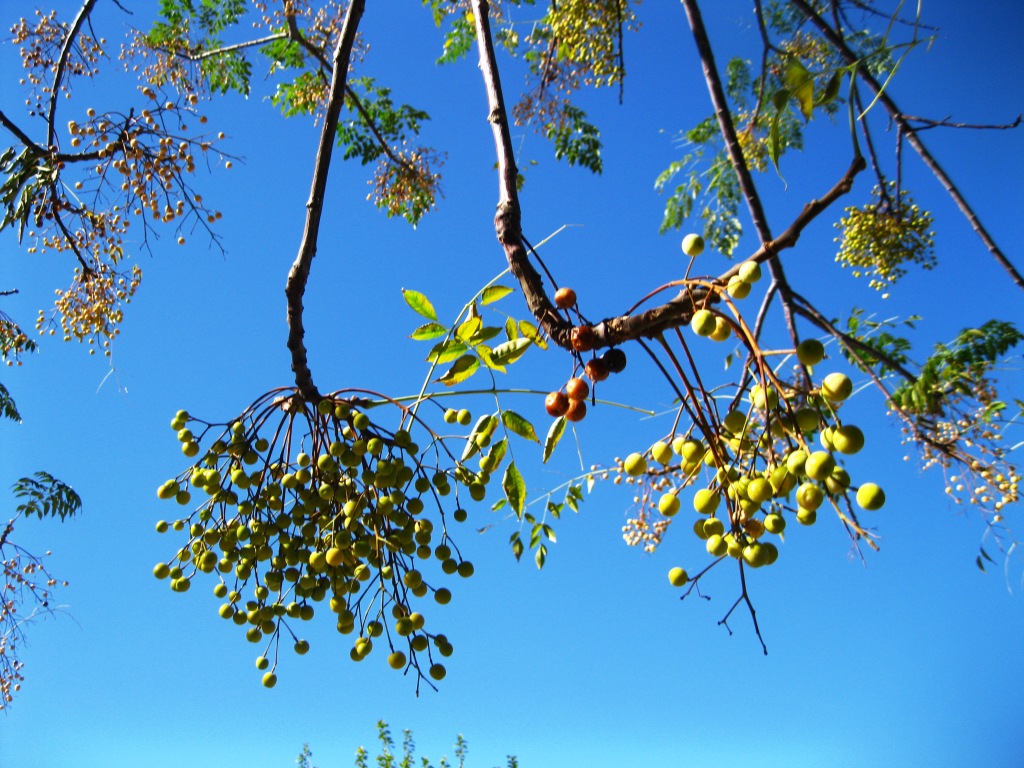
[[662, 452], [464, 417], [582, 338], [693, 245], [713, 527], [764, 398], [615, 360], [806, 516], [596, 369], [565, 298], [706, 501], [749, 272], [774, 523], [722, 330], [677, 577], [819, 465], [668, 504], [635, 464], [269, 680], [703, 322], [870, 497], [301, 647], [738, 288], [809, 496], [437, 671], [734, 421], [810, 352], [837, 387], [556, 404], [396, 660], [848, 439], [577, 410], [577, 389], [759, 490], [716, 545]]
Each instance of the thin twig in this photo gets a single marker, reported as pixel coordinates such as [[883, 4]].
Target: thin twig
[[62, 63]]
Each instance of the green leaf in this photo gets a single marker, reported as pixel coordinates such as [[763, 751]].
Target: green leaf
[[540, 556], [801, 83], [529, 330], [428, 331], [549, 532], [511, 332], [515, 488], [469, 327], [7, 406], [519, 425], [554, 435], [420, 304], [482, 431], [485, 334], [517, 545], [508, 352], [492, 293], [498, 451], [484, 353], [446, 351], [463, 368], [46, 497]]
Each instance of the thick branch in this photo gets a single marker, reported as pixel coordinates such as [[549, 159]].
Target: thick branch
[[299, 273], [676, 312], [913, 139], [507, 220]]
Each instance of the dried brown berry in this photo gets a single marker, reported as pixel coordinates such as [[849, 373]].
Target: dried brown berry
[[556, 404], [582, 338], [565, 298]]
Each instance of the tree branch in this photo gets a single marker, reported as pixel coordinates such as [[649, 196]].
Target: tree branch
[[739, 164], [912, 138], [299, 273], [613, 331], [62, 63]]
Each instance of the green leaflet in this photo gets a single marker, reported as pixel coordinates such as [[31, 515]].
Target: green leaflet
[[420, 304], [515, 488], [519, 425]]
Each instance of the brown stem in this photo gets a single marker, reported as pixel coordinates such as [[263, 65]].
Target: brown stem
[[299, 273], [739, 164], [648, 324], [7, 123], [62, 63], [507, 222], [912, 138]]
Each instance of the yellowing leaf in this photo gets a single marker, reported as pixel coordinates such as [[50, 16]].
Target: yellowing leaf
[[494, 292], [508, 352], [554, 435], [420, 304], [428, 331], [446, 351], [463, 368]]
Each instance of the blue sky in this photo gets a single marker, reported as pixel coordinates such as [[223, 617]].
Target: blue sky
[[909, 658]]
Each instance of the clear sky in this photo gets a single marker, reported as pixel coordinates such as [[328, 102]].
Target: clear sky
[[912, 657]]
